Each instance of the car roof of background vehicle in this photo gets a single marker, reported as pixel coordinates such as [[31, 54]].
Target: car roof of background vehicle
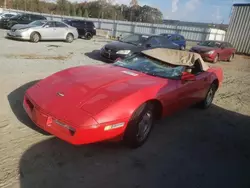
[[176, 57], [172, 34], [77, 20]]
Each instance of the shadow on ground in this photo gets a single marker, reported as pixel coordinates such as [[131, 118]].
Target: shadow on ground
[[193, 148], [15, 99]]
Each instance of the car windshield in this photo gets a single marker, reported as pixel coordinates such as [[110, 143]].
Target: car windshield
[[210, 44], [147, 65], [135, 39], [17, 16], [37, 23]]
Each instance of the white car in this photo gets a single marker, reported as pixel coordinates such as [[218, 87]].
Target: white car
[[43, 30]]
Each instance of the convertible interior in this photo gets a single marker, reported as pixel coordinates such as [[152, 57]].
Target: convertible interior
[[195, 69]]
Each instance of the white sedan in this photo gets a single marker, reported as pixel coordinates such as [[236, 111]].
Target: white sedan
[[43, 30]]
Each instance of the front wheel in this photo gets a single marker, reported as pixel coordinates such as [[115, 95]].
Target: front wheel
[[34, 37], [69, 38], [88, 36], [182, 48], [140, 126]]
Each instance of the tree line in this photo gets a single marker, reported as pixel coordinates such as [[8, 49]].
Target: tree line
[[103, 9]]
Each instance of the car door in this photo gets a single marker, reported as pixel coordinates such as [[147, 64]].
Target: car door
[[195, 90], [166, 43], [153, 42], [223, 51], [229, 50], [60, 30], [48, 30], [25, 19], [80, 25]]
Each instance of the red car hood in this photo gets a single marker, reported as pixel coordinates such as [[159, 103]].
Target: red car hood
[[90, 88]]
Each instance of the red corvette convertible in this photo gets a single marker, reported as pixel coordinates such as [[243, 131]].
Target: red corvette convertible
[[88, 104]]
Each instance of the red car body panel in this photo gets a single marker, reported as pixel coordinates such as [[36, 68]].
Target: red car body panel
[[224, 54], [76, 104]]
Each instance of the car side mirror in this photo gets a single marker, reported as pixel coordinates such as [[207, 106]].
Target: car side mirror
[[148, 45], [198, 43], [186, 76], [46, 26]]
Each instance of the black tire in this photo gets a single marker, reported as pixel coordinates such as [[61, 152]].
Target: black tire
[[35, 37], [231, 57], [216, 59], [207, 102], [134, 137], [69, 38], [88, 36]]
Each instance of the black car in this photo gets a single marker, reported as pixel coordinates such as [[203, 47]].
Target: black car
[[21, 19], [85, 28], [5, 16], [135, 43]]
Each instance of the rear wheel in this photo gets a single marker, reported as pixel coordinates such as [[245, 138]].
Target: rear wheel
[[88, 36], [34, 37], [140, 126], [69, 38], [216, 59], [231, 58], [207, 102]]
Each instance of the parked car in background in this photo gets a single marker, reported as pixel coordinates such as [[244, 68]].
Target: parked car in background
[[43, 30], [21, 19], [133, 44], [121, 101], [85, 28], [5, 16], [214, 51], [176, 38]]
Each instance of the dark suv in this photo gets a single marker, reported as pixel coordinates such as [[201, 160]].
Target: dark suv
[[85, 28], [21, 19]]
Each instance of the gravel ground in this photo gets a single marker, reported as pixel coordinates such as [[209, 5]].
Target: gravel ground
[[191, 149]]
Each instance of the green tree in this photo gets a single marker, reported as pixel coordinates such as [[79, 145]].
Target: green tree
[[86, 13], [73, 9], [79, 12]]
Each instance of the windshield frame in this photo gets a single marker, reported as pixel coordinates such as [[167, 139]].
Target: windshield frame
[[212, 46], [153, 61], [41, 21], [138, 42]]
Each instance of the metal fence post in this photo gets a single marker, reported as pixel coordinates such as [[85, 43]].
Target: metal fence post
[[114, 29], [132, 28], [153, 29]]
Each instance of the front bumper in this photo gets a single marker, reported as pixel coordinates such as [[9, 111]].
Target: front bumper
[[112, 56], [76, 135], [24, 35]]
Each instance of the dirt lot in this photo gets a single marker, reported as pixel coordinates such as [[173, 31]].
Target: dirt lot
[[194, 148]]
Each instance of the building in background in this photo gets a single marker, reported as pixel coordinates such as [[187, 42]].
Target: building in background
[[238, 33]]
